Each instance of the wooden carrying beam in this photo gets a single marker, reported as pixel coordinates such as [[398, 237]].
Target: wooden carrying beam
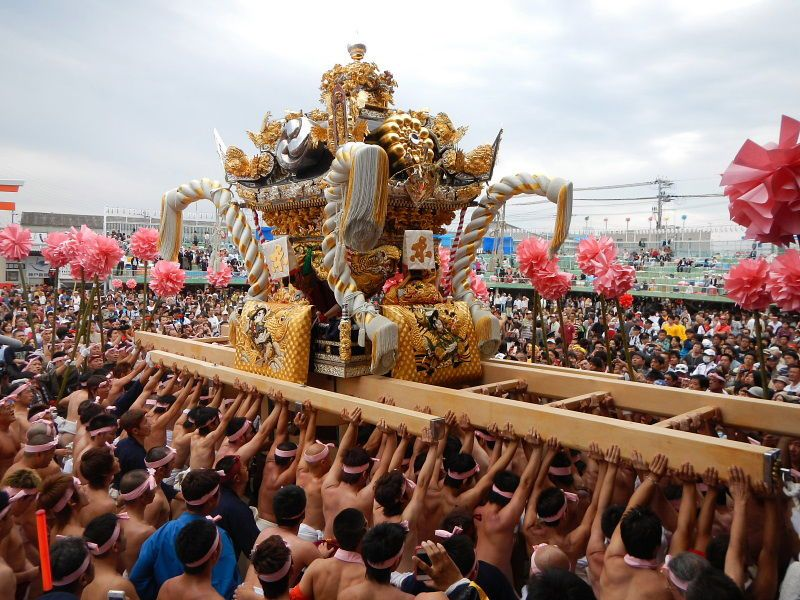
[[212, 353], [332, 402], [545, 367], [700, 414], [575, 402], [573, 429], [779, 418], [512, 385]]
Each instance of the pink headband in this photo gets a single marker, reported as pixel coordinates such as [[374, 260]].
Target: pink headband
[[15, 494], [147, 484], [51, 427], [502, 493], [560, 471], [389, 562], [446, 535], [41, 447], [59, 506], [38, 416], [242, 430], [535, 570], [640, 563], [103, 548], [154, 464], [277, 575], [202, 500], [208, 554], [285, 453], [674, 579], [466, 475], [19, 390], [75, 575], [319, 456], [355, 470], [568, 497], [109, 429]]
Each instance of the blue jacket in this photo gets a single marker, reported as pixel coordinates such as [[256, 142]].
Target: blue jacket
[[158, 561]]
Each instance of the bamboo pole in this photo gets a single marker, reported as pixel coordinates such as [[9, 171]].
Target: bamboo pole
[[564, 346], [625, 340], [603, 311], [760, 349]]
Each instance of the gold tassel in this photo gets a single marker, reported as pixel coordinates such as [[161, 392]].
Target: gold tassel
[[563, 215], [483, 328], [345, 341]]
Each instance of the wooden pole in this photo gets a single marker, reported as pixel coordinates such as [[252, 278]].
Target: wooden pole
[[564, 346], [603, 311], [21, 267], [760, 349], [99, 314], [55, 309], [535, 314], [625, 342]]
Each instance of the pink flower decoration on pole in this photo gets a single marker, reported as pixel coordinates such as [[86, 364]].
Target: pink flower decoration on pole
[[593, 254], [131, 284], [533, 254], [553, 283], [613, 279], [116, 284], [167, 278], [746, 284], [100, 255], [220, 278], [15, 242], [783, 282], [763, 186], [144, 244], [478, 286], [59, 250]]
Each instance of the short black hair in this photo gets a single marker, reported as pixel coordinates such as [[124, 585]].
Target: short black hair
[[354, 457], [198, 483], [66, 556], [289, 505], [100, 529], [713, 583], [204, 416], [389, 493], [88, 410], [194, 541], [558, 583], [380, 544], [101, 421], [505, 481], [461, 549], [562, 460], [349, 527], [96, 465], [550, 502], [610, 519], [458, 463], [285, 461], [460, 518], [717, 550], [269, 557], [641, 532], [234, 425]]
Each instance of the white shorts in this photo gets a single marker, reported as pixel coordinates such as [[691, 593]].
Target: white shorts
[[309, 534]]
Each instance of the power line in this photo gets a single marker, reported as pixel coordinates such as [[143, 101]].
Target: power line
[[614, 187]]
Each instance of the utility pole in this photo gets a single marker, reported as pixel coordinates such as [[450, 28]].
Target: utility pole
[[663, 196]]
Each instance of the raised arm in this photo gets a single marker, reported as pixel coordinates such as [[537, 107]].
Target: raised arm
[[388, 445], [251, 448], [149, 387], [348, 439], [216, 436], [171, 414], [541, 483], [596, 547], [765, 586], [641, 497], [705, 521], [417, 502], [736, 557], [255, 405], [512, 511], [468, 431], [687, 513], [579, 537], [470, 498], [402, 446]]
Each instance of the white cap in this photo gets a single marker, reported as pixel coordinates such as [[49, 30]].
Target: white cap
[[709, 352]]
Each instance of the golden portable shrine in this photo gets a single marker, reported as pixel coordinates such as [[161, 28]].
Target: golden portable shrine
[[354, 300]]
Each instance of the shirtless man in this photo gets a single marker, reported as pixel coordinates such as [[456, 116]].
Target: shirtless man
[[8, 582], [497, 520], [167, 409], [210, 432], [280, 467], [326, 577], [9, 442], [382, 549], [89, 385], [198, 547], [272, 568], [37, 454], [240, 429], [315, 462], [135, 495], [106, 542], [289, 505], [22, 396], [596, 548], [631, 567], [22, 488], [160, 459], [345, 485], [98, 468], [100, 433]]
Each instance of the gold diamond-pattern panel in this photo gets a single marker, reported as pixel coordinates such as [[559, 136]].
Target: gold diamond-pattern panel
[[437, 343], [274, 340]]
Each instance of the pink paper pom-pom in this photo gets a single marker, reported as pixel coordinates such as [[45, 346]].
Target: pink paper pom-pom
[[533, 254], [15, 242], [221, 277], [613, 279], [167, 278], [116, 284], [60, 249], [763, 186], [144, 244], [594, 253], [478, 286], [746, 284], [100, 255], [554, 284], [131, 284], [393, 281], [783, 283]]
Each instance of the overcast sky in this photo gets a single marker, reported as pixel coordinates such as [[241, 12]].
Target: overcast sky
[[112, 103]]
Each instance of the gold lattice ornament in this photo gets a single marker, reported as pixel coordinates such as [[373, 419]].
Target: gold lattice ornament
[[274, 340]]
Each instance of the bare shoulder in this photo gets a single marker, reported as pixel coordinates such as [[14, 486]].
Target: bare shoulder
[[8, 582]]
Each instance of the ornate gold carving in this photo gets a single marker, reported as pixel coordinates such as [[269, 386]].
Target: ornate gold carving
[[475, 162], [413, 291], [356, 77], [405, 140], [288, 295], [371, 269], [239, 165], [360, 131], [269, 134], [445, 131], [345, 341], [318, 115]]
